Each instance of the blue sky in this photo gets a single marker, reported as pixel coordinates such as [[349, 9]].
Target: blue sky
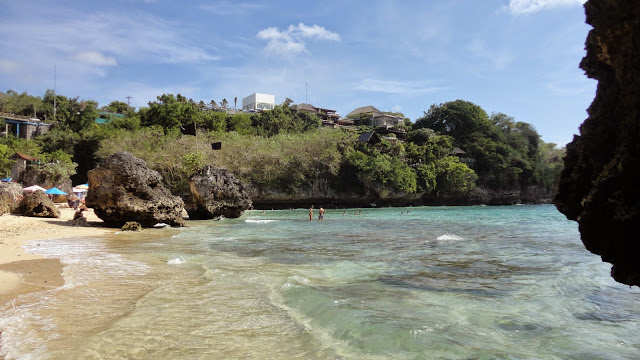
[[519, 57]]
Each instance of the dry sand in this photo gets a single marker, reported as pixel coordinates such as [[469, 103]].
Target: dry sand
[[22, 272]]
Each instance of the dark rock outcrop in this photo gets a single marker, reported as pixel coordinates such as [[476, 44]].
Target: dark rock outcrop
[[9, 195], [38, 204], [216, 192], [124, 189], [132, 226], [600, 184]]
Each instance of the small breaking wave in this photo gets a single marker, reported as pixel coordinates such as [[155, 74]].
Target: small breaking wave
[[259, 221], [449, 237], [176, 261]]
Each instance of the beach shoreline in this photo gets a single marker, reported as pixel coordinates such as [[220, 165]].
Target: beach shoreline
[[22, 272]]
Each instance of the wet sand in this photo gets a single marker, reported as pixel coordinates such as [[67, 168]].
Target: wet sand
[[22, 272]]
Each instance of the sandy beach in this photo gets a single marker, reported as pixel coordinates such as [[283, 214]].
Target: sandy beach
[[22, 272]]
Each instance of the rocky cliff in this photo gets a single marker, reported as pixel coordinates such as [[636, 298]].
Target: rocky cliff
[[124, 189], [600, 185]]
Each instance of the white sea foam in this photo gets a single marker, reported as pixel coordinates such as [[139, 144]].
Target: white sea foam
[[259, 221], [449, 237], [176, 261]]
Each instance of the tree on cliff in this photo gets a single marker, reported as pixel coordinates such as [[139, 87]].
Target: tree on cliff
[[283, 119], [169, 111], [118, 107], [459, 119], [505, 151]]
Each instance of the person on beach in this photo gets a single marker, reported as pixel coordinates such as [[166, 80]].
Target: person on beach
[[311, 213], [321, 214], [78, 214]]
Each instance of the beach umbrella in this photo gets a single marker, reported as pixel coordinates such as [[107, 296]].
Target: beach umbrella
[[55, 191], [83, 187], [33, 188]]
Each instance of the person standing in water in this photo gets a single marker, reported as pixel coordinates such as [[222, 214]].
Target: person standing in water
[[311, 213], [321, 214]]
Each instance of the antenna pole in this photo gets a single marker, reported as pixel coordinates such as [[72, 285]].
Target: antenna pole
[[54, 92], [128, 99], [306, 93]]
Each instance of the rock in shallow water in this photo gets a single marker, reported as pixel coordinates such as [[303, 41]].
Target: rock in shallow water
[[216, 192]]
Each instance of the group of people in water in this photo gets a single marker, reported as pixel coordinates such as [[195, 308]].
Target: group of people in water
[[320, 214]]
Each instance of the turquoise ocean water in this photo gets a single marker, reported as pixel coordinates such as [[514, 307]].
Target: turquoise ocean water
[[510, 282]]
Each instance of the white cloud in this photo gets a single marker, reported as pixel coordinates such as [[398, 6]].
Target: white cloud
[[291, 42], [315, 31], [135, 38], [396, 87], [95, 58], [531, 6], [8, 66]]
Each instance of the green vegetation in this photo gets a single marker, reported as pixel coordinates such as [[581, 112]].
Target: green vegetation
[[284, 151]]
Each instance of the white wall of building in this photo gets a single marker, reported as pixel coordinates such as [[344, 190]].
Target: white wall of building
[[258, 101]]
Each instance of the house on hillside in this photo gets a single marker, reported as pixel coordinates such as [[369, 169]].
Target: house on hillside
[[369, 137], [257, 101], [329, 117], [370, 116], [462, 156], [23, 127], [105, 117], [322, 113], [20, 166]]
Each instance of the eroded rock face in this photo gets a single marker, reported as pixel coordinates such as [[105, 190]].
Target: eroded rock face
[[216, 192], [38, 204], [600, 185], [124, 189], [9, 193]]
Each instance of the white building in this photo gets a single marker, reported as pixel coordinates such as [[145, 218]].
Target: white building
[[258, 101]]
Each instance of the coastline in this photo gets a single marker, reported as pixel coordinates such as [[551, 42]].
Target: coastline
[[22, 272]]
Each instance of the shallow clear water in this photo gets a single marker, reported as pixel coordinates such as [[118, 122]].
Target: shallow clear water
[[511, 282]]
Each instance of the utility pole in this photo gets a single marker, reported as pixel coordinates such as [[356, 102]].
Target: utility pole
[[128, 100], [306, 93], [54, 93]]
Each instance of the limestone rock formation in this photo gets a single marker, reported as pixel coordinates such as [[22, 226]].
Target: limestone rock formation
[[38, 204], [9, 194], [124, 189], [216, 192], [600, 184], [132, 226]]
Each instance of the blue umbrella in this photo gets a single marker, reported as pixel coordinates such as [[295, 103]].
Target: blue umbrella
[[55, 191], [6, 179]]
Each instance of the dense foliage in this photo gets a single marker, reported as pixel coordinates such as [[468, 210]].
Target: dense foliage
[[506, 154], [284, 150]]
